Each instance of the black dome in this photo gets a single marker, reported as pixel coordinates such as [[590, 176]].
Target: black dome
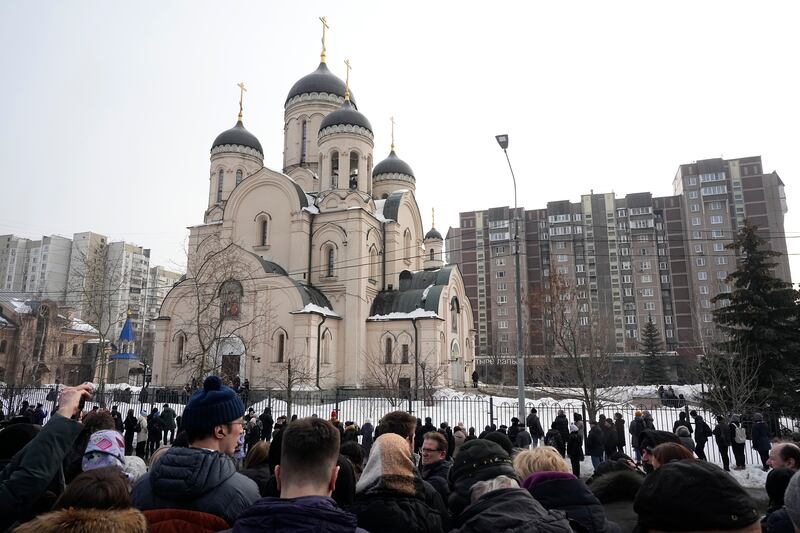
[[392, 165], [347, 115], [240, 136], [321, 80], [433, 234]]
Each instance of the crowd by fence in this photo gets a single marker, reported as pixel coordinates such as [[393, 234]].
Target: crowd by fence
[[473, 410]]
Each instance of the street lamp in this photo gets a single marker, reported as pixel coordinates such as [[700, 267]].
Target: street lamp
[[502, 140]]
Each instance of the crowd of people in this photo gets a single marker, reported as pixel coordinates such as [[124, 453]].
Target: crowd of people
[[222, 467]]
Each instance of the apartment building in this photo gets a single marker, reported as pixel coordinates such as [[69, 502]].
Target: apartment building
[[623, 260]]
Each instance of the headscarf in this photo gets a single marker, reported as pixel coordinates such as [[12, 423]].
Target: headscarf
[[389, 467]]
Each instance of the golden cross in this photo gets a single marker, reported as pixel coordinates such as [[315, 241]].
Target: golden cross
[[433, 218], [347, 80], [241, 97], [324, 27], [391, 119]]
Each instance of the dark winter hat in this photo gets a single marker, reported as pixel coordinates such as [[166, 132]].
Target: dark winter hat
[[500, 439], [650, 438], [792, 500], [777, 481], [480, 455], [215, 404], [702, 491], [14, 437]]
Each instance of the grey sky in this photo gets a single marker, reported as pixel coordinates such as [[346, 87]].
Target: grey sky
[[108, 109]]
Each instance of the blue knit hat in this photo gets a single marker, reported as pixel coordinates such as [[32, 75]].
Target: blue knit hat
[[215, 404]]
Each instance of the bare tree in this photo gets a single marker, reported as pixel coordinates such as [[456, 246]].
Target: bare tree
[[383, 376], [582, 365], [229, 318], [291, 375], [732, 380]]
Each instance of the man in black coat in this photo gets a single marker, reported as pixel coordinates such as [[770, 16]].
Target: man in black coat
[[266, 422], [702, 432], [435, 464], [619, 424], [534, 427], [561, 423]]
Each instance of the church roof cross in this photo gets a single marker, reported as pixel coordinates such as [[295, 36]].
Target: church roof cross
[[241, 98]]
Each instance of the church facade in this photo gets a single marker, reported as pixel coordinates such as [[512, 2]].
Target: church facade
[[320, 274]]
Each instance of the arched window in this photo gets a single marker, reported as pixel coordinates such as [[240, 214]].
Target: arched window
[[373, 263], [3, 345], [353, 170], [181, 346], [387, 353], [303, 141], [74, 350], [230, 296], [455, 351], [263, 232], [326, 347], [238, 176], [407, 246], [330, 256], [334, 170], [432, 254], [280, 348], [455, 310], [219, 185]]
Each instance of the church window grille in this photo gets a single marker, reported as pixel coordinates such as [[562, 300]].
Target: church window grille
[[303, 142], [432, 254], [404, 354], [264, 232], [353, 170], [280, 353], [219, 185], [238, 177], [387, 354], [330, 256], [335, 170]]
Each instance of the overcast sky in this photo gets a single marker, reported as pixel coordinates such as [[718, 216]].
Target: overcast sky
[[108, 109]]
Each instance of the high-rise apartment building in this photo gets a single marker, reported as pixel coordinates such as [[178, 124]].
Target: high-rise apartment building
[[159, 282], [38, 267], [623, 260]]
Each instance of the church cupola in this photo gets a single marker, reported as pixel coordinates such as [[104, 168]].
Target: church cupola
[[235, 154], [392, 174], [434, 247], [312, 98], [345, 147]]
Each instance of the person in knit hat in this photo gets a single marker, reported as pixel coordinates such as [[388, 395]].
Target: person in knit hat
[[694, 496], [201, 478], [389, 495]]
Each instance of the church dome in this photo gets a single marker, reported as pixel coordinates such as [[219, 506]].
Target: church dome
[[347, 115], [392, 165], [238, 135], [433, 234], [321, 80]]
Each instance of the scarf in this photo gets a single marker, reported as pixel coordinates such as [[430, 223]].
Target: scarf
[[389, 467]]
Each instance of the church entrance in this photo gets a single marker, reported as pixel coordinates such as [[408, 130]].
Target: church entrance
[[230, 360]]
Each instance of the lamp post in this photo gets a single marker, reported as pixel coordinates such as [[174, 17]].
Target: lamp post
[[502, 140]]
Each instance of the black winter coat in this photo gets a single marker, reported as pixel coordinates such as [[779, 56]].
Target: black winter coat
[[610, 440], [619, 424], [562, 425], [308, 514], [574, 498], [393, 512], [262, 477], [594, 442], [510, 510], [534, 426], [436, 475], [575, 446], [553, 438]]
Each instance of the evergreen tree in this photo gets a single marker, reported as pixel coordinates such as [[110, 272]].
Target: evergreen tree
[[651, 345], [759, 318]]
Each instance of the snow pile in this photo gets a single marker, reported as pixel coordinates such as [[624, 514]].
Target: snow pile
[[416, 313], [19, 306], [311, 308], [79, 325]]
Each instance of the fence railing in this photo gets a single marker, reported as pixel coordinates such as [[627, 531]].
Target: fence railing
[[475, 411]]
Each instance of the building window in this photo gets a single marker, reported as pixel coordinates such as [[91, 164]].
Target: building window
[[404, 354], [702, 275], [628, 291], [695, 221], [353, 183], [502, 324], [722, 260], [561, 258], [238, 177], [716, 219], [630, 319], [664, 279], [693, 194], [722, 274], [334, 170], [303, 141], [647, 278], [432, 254], [647, 292], [500, 274], [703, 289], [500, 261], [3, 345], [281, 348], [667, 320], [329, 259], [649, 306], [719, 247], [700, 261], [74, 350], [502, 286], [695, 208], [502, 300], [230, 296], [181, 346], [219, 185], [263, 232], [668, 333]]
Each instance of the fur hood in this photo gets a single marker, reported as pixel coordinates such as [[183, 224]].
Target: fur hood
[[74, 520]]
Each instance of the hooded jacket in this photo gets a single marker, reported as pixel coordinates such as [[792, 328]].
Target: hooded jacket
[[197, 480], [436, 474], [307, 514], [183, 521], [565, 492], [511, 511], [76, 520]]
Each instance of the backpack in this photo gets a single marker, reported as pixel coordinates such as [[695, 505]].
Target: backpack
[[740, 436]]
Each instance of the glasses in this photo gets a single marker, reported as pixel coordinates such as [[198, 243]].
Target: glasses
[[240, 422], [430, 450]]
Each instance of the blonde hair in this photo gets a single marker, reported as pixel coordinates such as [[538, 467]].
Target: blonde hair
[[541, 459]]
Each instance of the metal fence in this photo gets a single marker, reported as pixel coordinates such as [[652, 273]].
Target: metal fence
[[475, 411]]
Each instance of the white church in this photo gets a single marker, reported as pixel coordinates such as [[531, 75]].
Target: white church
[[323, 265]]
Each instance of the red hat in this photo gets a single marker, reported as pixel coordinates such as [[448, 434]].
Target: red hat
[[333, 414]]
